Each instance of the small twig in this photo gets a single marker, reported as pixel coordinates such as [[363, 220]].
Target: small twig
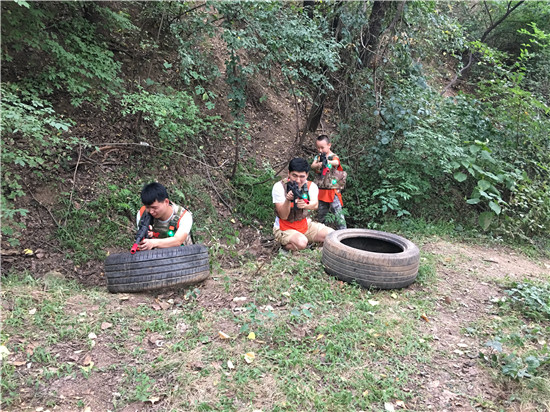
[[259, 268], [215, 190], [74, 183], [161, 149], [298, 140]]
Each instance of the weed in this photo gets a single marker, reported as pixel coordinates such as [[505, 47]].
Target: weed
[[532, 299]]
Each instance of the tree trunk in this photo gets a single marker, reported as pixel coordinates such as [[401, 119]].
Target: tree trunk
[[316, 112], [371, 37]]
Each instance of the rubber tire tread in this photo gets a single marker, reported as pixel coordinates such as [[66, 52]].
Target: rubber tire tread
[[371, 269], [157, 268]]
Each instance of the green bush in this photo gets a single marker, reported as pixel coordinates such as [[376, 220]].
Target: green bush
[[173, 114], [34, 140]]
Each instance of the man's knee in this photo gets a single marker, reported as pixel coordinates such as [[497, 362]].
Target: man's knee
[[323, 233], [297, 242]]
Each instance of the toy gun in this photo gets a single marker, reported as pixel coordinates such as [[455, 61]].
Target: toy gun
[[298, 193], [143, 228], [326, 165]]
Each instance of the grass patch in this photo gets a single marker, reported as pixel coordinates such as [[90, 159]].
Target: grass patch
[[516, 346], [317, 343], [281, 337]]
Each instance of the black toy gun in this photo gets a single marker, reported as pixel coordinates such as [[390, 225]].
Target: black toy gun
[[144, 223], [326, 165], [298, 193]]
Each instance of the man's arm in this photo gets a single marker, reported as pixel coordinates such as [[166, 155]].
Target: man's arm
[[313, 197], [317, 164], [283, 209], [281, 200]]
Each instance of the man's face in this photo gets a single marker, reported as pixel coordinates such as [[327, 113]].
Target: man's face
[[298, 177], [323, 146], [158, 209]]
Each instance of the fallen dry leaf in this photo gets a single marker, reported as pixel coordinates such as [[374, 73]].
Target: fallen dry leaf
[[154, 399], [388, 406], [251, 336], [230, 365], [433, 384], [87, 360], [29, 349], [87, 368], [223, 335], [17, 363], [4, 352], [106, 325], [249, 357], [424, 318]]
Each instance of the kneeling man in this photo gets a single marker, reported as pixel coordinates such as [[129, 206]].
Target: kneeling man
[[294, 197]]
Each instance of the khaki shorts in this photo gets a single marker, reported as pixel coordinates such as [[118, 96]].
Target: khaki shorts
[[313, 229]]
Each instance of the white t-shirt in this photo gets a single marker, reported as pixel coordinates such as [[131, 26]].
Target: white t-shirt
[[279, 196]]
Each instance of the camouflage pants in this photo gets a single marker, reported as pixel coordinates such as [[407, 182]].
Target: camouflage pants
[[336, 208]]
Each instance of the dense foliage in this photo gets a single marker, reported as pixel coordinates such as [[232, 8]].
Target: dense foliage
[[443, 107]]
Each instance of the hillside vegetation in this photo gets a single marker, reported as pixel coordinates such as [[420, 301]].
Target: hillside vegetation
[[440, 111], [441, 114]]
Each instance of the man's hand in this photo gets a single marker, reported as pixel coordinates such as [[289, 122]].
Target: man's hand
[[147, 244], [302, 204]]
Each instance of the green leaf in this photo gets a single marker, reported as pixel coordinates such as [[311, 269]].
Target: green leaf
[[474, 149], [461, 177], [484, 185], [495, 207], [23, 3], [485, 219], [473, 201], [295, 312]]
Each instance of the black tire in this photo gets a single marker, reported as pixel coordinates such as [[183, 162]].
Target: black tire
[[157, 268], [371, 258]]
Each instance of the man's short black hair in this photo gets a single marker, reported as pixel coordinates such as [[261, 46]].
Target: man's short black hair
[[323, 137], [298, 165], [153, 191]]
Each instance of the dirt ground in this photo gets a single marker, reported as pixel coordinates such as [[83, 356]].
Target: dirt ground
[[468, 277]]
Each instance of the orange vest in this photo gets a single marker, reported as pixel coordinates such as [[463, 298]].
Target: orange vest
[[327, 195]]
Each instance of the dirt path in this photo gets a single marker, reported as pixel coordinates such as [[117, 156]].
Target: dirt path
[[468, 279]]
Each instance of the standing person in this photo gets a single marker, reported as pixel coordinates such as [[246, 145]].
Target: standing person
[[330, 198], [293, 229], [171, 223]]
